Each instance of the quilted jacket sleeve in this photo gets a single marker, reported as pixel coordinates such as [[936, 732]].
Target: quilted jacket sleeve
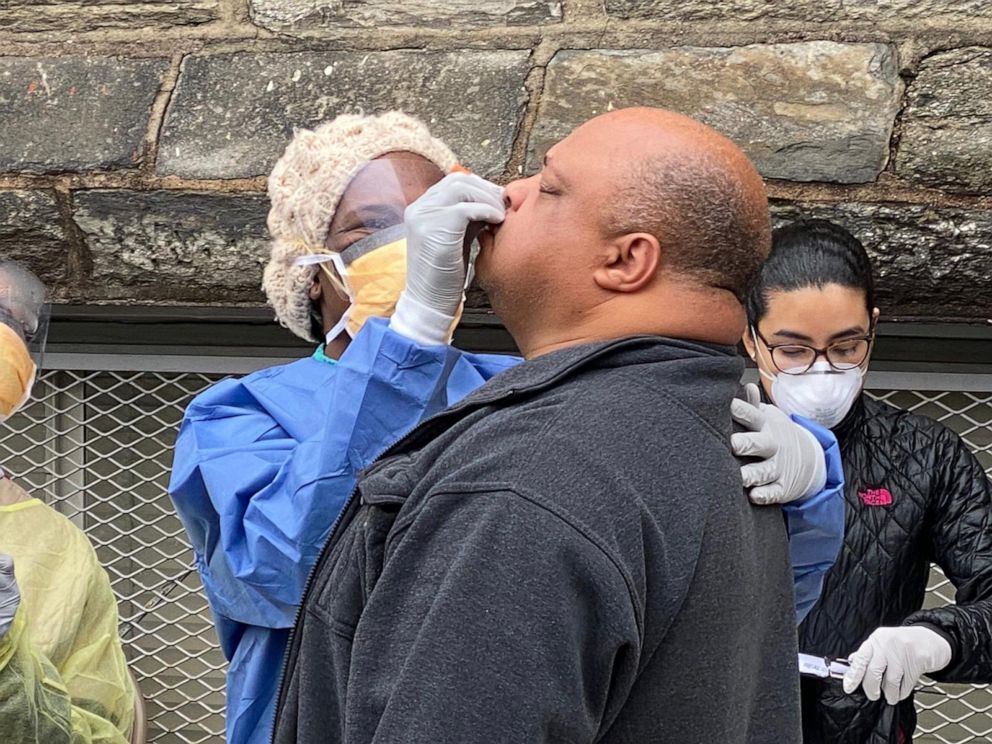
[[961, 534]]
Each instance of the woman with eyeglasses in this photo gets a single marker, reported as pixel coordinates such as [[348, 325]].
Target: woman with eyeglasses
[[914, 495]]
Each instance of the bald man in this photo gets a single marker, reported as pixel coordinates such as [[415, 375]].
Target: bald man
[[567, 556]]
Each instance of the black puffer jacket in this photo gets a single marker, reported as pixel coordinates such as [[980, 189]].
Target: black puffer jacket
[[915, 494]]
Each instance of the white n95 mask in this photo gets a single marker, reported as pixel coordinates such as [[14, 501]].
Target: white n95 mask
[[822, 393]]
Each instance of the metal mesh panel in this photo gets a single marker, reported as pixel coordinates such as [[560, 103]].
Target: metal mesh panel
[[97, 446], [964, 713]]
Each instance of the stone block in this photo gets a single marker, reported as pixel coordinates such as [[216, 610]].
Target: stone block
[[947, 126], [811, 111], [31, 232], [928, 12], [75, 113], [232, 115], [95, 15], [280, 15], [174, 246], [929, 262]]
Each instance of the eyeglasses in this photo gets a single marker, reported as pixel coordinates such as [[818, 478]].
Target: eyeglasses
[[797, 359]]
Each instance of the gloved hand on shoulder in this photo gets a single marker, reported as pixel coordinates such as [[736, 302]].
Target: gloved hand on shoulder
[[792, 463]]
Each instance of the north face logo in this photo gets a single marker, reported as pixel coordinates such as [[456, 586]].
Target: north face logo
[[876, 497]]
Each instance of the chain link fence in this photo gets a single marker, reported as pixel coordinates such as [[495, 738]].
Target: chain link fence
[[97, 446]]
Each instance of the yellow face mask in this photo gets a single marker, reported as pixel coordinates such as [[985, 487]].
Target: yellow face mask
[[373, 271], [17, 372]]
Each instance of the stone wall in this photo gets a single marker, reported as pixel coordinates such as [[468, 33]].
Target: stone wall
[[135, 137]]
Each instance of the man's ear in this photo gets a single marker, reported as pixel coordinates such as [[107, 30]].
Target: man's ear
[[874, 317], [632, 262]]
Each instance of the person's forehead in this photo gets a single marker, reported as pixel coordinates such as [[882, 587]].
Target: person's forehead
[[602, 149], [378, 177], [815, 311], [580, 163], [386, 179]]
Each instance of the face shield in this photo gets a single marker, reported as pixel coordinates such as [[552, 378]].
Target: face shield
[[364, 256], [24, 316]]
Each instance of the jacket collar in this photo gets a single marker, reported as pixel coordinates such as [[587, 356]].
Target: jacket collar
[[549, 370]]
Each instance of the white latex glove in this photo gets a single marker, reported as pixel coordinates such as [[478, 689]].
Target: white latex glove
[[793, 464], [892, 661], [436, 225], [10, 597]]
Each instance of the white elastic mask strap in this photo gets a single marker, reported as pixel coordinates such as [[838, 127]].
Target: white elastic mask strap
[[342, 324], [313, 258], [335, 259], [338, 263]]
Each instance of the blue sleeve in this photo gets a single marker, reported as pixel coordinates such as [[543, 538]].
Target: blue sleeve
[[386, 384], [264, 465], [816, 525], [236, 445]]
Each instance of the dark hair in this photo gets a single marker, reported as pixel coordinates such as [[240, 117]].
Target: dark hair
[[692, 201], [811, 253]]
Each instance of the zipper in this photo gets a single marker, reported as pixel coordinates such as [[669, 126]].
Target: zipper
[[324, 553]]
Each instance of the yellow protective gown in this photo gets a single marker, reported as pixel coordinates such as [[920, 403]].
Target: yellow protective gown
[[63, 675]]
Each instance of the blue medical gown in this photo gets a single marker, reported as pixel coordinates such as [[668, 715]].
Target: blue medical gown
[[816, 525], [263, 466]]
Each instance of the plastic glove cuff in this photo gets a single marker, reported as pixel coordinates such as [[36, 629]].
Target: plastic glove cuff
[[952, 642], [818, 478], [833, 475], [421, 324]]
